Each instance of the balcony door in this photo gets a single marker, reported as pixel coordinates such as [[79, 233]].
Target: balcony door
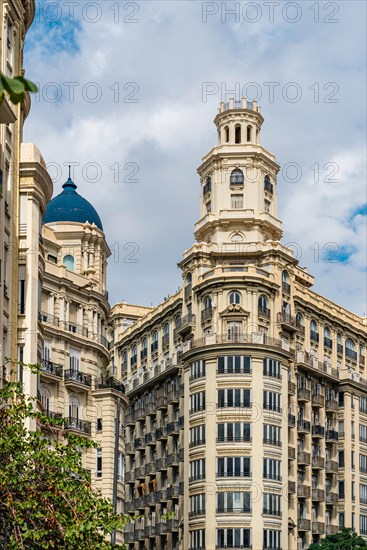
[[74, 406], [74, 359], [234, 331]]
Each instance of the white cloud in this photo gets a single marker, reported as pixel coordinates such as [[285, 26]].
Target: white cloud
[[169, 54]]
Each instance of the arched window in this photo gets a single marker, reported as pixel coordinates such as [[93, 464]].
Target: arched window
[[286, 287], [350, 349], [234, 297], [226, 134], [208, 186], [349, 344], [314, 335], [327, 338], [237, 134], [237, 177], [68, 262], [134, 351], [207, 302], [166, 329], [285, 277], [339, 338], [189, 279], [249, 133], [299, 319], [177, 321], [74, 407], [45, 399], [268, 186], [155, 336], [263, 305]]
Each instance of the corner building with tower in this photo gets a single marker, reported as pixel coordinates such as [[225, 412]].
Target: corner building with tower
[[247, 416]]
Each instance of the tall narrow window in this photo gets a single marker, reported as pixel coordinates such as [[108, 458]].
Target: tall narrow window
[[99, 462], [237, 134], [226, 134], [68, 262], [21, 290], [74, 359], [249, 133]]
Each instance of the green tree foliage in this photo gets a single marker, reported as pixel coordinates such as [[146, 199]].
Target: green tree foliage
[[346, 539], [46, 498], [16, 88]]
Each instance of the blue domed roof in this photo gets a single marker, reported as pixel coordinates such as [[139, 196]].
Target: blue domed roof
[[69, 206]]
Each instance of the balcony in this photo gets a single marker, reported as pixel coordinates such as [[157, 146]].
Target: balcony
[[291, 388], [291, 453], [303, 394], [331, 436], [162, 402], [149, 438], [331, 405], [109, 383], [161, 433], [206, 314], [286, 287], [318, 400], [301, 329], [149, 531], [303, 426], [351, 354], [291, 420], [161, 463], [304, 459], [172, 524], [139, 443], [264, 312], [50, 369], [130, 418], [188, 291], [186, 324], [47, 318], [173, 396], [76, 425], [303, 491], [318, 431], [318, 528], [172, 428], [173, 492], [130, 477], [314, 336], [140, 472], [331, 529], [161, 528], [150, 468], [318, 463], [331, 467], [291, 487], [154, 347], [304, 524], [318, 495], [287, 321], [332, 498], [130, 448], [139, 534], [77, 379], [173, 459]]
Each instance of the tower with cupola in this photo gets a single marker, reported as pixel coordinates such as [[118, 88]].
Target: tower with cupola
[[238, 181]]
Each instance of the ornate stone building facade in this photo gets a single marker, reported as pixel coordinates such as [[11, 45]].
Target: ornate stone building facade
[[246, 385]]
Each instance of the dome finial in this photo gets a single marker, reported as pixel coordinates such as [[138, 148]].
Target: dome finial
[[69, 171], [69, 185]]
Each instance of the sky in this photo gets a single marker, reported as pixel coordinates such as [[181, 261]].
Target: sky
[[128, 92]]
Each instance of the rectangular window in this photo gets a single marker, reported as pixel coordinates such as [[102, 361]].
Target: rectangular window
[[267, 206], [341, 490], [272, 469], [363, 525], [239, 398], [197, 370], [197, 402], [99, 463], [197, 435], [236, 202], [363, 493], [237, 502], [341, 520], [197, 469], [272, 539], [272, 504], [234, 364], [234, 538], [341, 459], [74, 359], [271, 367], [230, 466], [21, 290], [197, 539], [363, 463], [341, 398], [272, 401], [99, 425], [197, 504], [363, 404], [272, 435], [236, 431]]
